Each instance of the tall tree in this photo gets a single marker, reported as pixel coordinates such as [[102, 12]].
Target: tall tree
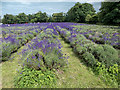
[[41, 17], [22, 18], [79, 11], [8, 19], [110, 13], [30, 17], [50, 19]]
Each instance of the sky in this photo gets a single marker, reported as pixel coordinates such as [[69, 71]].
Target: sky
[[51, 1], [28, 7]]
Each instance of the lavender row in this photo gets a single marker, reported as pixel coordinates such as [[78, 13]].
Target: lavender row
[[44, 51], [98, 34], [78, 40], [15, 30], [92, 54], [13, 42]]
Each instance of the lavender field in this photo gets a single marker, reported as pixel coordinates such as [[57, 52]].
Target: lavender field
[[60, 55]]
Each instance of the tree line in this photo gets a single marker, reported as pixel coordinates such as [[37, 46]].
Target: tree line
[[80, 13]]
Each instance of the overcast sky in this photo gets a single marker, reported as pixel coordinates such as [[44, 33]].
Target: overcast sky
[[81, 1], [52, 0]]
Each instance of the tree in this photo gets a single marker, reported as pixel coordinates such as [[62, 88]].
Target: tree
[[58, 17], [41, 17], [88, 9], [50, 19], [79, 12], [72, 14], [22, 18], [94, 19], [8, 19], [88, 17], [30, 17], [44, 17], [110, 13]]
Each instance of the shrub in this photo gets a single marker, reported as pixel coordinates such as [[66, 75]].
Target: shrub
[[105, 54], [34, 33], [33, 59], [111, 55], [3, 33], [7, 49], [89, 59], [54, 59], [109, 75], [97, 40], [67, 33], [87, 35], [31, 78], [29, 36], [47, 50], [80, 49], [22, 40]]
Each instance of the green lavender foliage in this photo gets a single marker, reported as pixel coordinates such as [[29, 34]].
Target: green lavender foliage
[[31, 78]]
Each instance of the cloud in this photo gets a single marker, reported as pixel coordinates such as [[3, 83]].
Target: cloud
[[26, 3], [52, 0], [91, 1]]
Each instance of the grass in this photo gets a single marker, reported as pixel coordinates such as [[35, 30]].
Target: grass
[[9, 70], [0, 76], [10, 67], [77, 75]]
